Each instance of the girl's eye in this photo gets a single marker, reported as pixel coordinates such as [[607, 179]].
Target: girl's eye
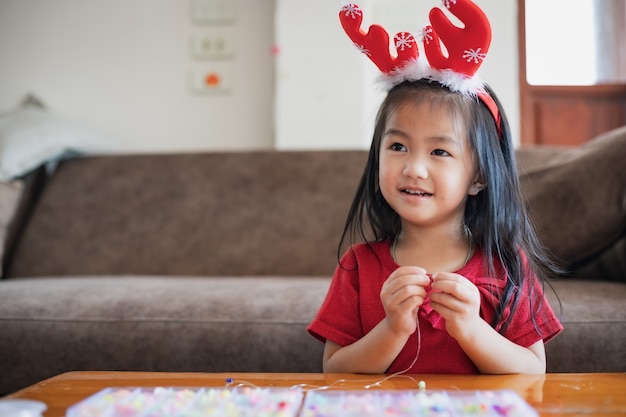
[[398, 147], [440, 152]]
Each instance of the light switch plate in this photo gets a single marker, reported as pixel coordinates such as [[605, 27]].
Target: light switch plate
[[213, 12], [212, 46], [211, 80]]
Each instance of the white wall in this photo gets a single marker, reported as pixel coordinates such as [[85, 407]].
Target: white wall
[[123, 66]]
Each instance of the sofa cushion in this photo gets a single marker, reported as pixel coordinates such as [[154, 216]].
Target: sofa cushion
[[226, 324], [609, 265], [157, 324], [249, 213], [577, 196], [594, 326]]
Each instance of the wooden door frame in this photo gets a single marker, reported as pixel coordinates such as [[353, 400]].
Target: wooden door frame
[[531, 95]]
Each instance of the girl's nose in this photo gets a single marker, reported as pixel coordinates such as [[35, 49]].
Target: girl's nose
[[415, 167]]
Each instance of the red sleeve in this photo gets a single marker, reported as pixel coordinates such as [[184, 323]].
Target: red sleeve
[[338, 318], [533, 318]]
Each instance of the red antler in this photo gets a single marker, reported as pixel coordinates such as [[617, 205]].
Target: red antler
[[375, 42], [467, 47]]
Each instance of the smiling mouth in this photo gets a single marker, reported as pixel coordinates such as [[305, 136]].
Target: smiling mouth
[[418, 193]]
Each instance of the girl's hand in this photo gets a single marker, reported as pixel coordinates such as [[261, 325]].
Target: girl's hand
[[401, 295], [457, 299]]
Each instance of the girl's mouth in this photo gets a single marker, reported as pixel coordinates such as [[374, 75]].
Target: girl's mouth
[[419, 193]]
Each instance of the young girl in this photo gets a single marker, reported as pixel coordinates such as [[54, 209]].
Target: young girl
[[446, 277]]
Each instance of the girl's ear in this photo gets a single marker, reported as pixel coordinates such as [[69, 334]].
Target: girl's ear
[[477, 186]]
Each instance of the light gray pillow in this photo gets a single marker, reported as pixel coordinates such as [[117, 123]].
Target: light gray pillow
[[31, 136]]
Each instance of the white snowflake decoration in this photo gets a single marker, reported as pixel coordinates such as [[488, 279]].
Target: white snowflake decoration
[[448, 3], [426, 34], [362, 49], [351, 10], [404, 40], [474, 55]]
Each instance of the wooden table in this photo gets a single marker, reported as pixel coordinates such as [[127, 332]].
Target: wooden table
[[551, 395]]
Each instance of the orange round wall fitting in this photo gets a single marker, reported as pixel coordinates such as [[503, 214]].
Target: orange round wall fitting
[[212, 80]]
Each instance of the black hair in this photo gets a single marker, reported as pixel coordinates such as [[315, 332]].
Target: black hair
[[496, 216]]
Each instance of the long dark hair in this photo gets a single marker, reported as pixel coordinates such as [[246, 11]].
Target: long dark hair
[[496, 216]]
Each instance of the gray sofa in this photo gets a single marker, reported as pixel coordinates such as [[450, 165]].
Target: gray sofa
[[218, 261]]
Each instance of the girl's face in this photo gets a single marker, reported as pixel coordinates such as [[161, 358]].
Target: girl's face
[[426, 167]]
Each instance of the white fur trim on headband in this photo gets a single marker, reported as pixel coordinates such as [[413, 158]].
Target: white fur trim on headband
[[419, 69]]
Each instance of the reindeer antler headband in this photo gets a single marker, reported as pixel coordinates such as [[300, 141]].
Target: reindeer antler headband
[[466, 49]]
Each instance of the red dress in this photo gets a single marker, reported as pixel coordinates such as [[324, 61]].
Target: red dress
[[352, 308]]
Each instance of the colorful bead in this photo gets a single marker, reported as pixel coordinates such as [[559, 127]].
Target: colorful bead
[[284, 402]]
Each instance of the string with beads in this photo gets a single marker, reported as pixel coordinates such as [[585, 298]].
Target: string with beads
[[230, 382]]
